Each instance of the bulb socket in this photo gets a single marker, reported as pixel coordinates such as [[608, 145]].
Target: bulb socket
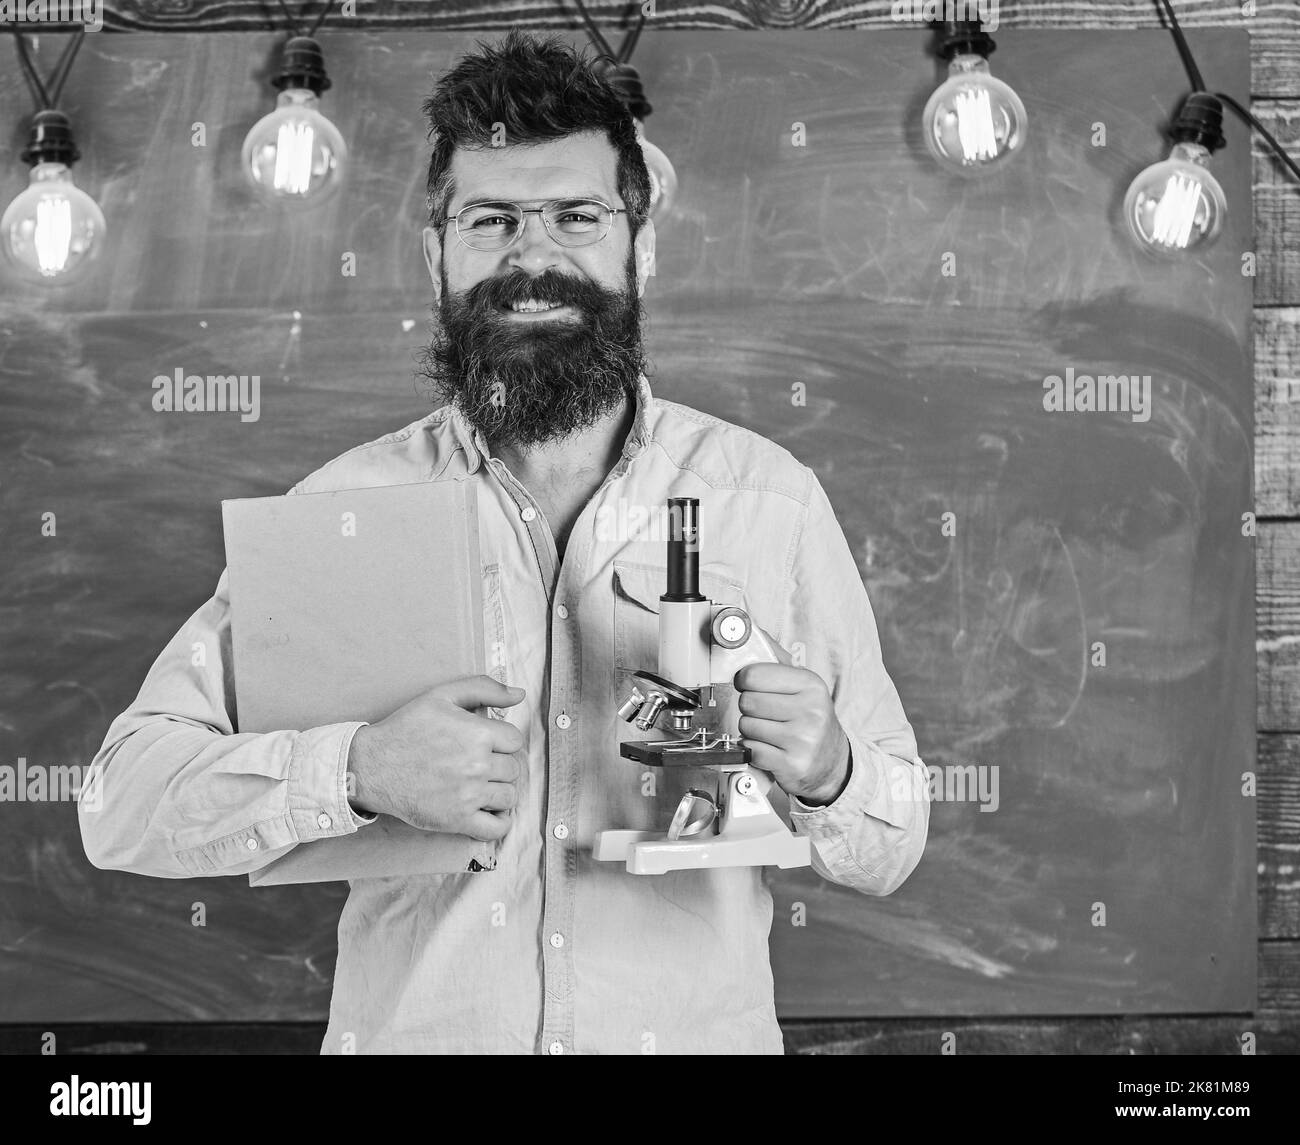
[[964, 38], [626, 82], [1200, 120], [302, 64], [50, 140]]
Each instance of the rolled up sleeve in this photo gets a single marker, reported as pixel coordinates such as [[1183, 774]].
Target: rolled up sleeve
[[175, 791], [871, 837]]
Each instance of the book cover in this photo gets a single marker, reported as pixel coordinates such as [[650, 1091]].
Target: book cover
[[344, 606]]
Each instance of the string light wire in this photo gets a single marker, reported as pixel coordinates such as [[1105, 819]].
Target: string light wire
[[1198, 84]]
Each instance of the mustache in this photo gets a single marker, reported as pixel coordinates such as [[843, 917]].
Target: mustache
[[550, 287]]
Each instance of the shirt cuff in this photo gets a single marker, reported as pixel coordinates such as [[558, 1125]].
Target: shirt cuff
[[318, 783], [879, 784], [849, 802]]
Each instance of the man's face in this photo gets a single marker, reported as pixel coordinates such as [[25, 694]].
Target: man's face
[[528, 378]]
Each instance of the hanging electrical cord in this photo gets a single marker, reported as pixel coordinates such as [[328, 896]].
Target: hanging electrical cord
[[617, 70], [1198, 85], [1189, 62], [628, 46], [293, 23], [47, 98], [1255, 123], [616, 66]]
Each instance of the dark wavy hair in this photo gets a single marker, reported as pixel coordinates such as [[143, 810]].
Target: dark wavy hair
[[539, 89]]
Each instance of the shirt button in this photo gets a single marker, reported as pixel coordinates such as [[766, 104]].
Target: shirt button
[[251, 844], [561, 831], [562, 612], [555, 1048], [529, 513], [557, 940], [323, 821], [562, 721]]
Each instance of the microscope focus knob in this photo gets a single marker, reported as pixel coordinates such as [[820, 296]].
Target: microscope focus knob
[[731, 627]]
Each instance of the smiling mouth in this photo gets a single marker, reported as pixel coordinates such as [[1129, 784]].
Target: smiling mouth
[[533, 306]]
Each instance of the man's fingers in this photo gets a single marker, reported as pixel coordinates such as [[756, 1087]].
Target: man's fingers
[[470, 692], [766, 758], [772, 732], [500, 797], [772, 678], [488, 826], [770, 705], [504, 736], [505, 767]]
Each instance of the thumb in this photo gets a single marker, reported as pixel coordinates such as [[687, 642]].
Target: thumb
[[470, 692]]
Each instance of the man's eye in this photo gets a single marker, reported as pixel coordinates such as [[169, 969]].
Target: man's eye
[[577, 222], [488, 221]]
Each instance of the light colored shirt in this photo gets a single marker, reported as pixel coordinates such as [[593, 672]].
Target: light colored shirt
[[552, 951]]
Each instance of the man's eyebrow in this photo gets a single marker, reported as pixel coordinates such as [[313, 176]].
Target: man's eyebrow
[[480, 199]]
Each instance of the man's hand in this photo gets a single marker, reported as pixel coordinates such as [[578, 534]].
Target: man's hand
[[788, 721], [438, 766]]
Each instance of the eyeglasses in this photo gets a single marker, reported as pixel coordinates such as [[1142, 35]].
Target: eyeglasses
[[570, 222]]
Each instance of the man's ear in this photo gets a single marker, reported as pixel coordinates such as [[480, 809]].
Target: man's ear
[[433, 257], [645, 255]]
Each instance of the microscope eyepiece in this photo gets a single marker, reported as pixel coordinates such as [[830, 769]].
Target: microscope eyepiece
[[683, 549]]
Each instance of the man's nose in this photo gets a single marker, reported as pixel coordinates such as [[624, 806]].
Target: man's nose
[[534, 247]]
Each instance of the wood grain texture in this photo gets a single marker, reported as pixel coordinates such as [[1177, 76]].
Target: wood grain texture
[[1276, 202], [1278, 626], [1277, 416], [1278, 809]]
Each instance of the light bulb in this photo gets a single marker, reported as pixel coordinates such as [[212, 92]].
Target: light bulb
[[663, 179], [53, 230], [294, 154], [1177, 205], [973, 121]]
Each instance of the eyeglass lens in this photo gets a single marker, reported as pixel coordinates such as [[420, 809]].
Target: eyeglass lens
[[571, 222]]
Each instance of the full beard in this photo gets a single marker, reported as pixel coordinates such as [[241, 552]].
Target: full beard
[[523, 383]]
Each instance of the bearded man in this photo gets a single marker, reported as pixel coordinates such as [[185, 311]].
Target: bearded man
[[539, 249]]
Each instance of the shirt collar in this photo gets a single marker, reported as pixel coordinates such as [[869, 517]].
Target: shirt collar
[[476, 448]]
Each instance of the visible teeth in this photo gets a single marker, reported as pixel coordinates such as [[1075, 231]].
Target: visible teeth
[[532, 305]]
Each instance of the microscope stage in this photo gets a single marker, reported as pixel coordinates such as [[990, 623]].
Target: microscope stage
[[651, 752]]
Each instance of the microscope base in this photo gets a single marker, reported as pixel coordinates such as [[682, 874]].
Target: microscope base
[[653, 853]]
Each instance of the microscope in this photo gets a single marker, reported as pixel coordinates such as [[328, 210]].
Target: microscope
[[701, 644]]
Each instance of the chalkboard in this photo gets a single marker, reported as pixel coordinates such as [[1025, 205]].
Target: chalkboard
[[1116, 873]]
